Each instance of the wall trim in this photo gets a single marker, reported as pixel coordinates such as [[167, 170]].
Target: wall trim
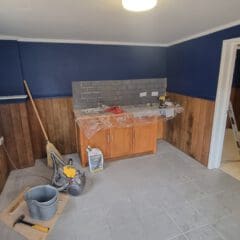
[[148, 44], [71, 41], [205, 33], [13, 97], [224, 88]]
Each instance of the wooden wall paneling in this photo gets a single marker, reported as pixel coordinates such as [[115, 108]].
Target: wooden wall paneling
[[58, 138], [22, 135], [71, 128], [26, 136], [15, 129], [8, 132], [57, 117], [191, 130], [64, 129], [161, 131], [207, 127], [38, 142], [4, 169]]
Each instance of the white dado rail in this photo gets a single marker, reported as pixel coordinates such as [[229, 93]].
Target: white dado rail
[[13, 97]]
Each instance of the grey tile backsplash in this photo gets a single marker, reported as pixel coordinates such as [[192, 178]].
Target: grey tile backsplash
[[90, 94]]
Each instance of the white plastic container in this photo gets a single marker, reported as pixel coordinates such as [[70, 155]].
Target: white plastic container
[[95, 159]]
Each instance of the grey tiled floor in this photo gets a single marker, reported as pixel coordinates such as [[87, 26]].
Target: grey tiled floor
[[166, 196]]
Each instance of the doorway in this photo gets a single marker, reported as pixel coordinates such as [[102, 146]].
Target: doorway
[[225, 80], [230, 161]]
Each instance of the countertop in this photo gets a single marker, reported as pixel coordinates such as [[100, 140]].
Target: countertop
[[141, 110]]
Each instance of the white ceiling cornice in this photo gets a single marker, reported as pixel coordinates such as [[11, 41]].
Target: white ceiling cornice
[[205, 33], [48, 40]]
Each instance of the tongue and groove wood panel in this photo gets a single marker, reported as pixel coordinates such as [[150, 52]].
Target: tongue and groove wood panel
[[191, 130], [15, 129], [22, 133], [4, 169], [57, 117]]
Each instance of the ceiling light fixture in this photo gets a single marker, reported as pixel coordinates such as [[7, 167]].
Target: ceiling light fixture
[[139, 5]]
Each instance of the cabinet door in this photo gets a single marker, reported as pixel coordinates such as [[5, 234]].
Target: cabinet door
[[145, 135], [100, 140], [121, 134]]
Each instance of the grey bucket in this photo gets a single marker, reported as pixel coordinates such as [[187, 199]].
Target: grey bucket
[[42, 202]]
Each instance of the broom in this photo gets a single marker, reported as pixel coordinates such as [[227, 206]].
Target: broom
[[50, 148]]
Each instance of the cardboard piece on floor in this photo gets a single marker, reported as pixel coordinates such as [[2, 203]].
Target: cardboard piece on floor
[[18, 207]]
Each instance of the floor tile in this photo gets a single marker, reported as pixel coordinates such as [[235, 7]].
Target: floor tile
[[211, 208], [190, 191], [229, 227], [171, 198], [159, 226], [231, 200], [181, 237], [141, 198], [204, 233], [187, 218], [215, 181]]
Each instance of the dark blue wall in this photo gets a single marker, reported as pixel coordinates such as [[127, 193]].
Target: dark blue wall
[[50, 68], [10, 72], [193, 66]]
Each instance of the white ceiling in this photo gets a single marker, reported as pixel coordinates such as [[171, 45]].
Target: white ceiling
[[107, 21]]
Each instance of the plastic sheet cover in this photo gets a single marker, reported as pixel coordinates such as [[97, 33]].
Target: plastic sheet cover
[[91, 124]]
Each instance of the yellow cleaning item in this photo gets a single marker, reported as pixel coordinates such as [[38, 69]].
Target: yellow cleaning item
[[69, 171]]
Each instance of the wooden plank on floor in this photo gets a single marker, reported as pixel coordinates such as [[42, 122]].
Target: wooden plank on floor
[[18, 207]]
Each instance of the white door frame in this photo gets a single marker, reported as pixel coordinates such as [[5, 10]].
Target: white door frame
[[228, 58]]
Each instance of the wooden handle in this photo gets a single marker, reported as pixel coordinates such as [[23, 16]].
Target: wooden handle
[[35, 109], [40, 228]]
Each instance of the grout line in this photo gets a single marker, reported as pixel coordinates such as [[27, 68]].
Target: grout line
[[218, 233], [177, 227]]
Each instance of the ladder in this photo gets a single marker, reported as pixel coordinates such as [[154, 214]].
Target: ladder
[[233, 122]]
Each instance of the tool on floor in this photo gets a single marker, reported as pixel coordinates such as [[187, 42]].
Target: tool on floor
[[233, 122], [15, 206], [65, 176], [32, 225]]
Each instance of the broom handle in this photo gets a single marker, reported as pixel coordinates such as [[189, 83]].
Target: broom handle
[[35, 109]]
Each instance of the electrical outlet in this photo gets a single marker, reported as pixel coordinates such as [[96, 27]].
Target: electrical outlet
[[1, 141], [154, 93], [142, 94]]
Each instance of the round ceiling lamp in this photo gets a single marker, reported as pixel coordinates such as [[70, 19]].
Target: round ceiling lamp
[[139, 5]]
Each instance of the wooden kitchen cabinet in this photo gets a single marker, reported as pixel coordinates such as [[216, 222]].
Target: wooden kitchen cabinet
[[121, 136], [145, 135], [99, 140], [124, 137]]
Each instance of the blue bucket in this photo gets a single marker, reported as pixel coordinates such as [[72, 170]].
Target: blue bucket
[[42, 202]]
